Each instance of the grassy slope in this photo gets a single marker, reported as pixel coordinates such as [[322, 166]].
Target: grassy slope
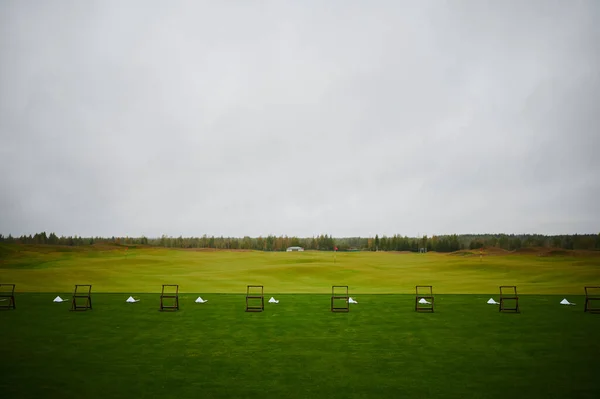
[[57, 269], [298, 349]]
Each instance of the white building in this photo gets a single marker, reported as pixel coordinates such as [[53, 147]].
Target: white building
[[293, 249]]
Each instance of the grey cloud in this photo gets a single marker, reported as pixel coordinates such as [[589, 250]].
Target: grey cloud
[[299, 118]]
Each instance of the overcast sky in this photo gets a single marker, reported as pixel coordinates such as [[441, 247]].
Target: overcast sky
[[349, 118]]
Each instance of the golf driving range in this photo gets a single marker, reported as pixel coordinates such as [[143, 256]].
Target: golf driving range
[[296, 347]]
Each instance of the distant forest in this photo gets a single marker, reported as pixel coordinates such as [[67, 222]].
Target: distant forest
[[442, 243]]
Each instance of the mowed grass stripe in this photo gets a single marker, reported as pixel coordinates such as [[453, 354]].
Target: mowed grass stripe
[[298, 349], [39, 269]]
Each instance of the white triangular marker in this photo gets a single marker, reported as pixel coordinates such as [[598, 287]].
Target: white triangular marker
[[273, 300], [493, 302], [200, 300], [565, 302], [59, 299], [131, 300], [423, 300], [350, 300]]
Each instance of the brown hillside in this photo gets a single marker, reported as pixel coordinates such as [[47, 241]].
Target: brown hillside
[[486, 251]]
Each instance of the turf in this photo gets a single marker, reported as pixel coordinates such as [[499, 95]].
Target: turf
[[51, 269], [298, 349]]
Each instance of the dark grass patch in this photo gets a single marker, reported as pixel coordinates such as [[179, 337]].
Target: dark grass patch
[[298, 349]]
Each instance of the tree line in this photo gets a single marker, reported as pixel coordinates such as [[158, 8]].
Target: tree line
[[324, 242], [268, 243]]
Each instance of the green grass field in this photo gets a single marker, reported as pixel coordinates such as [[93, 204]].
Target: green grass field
[[58, 269], [297, 348]]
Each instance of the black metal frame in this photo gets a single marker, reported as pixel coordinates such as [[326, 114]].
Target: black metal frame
[[513, 296], [589, 298], [7, 295], [168, 295], [424, 307], [334, 296], [249, 295], [78, 295]]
